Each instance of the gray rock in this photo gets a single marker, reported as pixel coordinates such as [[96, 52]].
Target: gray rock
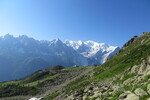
[[148, 99], [97, 94], [123, 96], [128, 96], [71, 97], [116, 88], [96, 89], [84, 97], [134, 69], [128, 81], [78, 98], [140, 92], [144, 67], [98, 99]]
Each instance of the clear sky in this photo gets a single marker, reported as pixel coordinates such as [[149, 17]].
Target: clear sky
[[110, 21]]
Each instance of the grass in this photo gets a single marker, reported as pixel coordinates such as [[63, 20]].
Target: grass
[[35, 83], [127, 77], [145, 97], [77, 84], [30, 85], [147, 77], [75, 68], [9, 82], [51, 96], [135, 86], [116, 95], [14, 90]]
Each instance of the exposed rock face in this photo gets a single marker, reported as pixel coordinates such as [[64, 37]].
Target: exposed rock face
[[134, 69], [130, 41], [144, 68]]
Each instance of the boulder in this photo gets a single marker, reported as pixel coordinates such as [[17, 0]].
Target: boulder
[[116, 88], [139, 78], [98, 99], [128, 81], [144, 67], [96, 89], [122, 96], [140, 92], [104, 89], [78, 98], [128, 96], [86, 90], [71, 97], [132, 97], [97, 94], [134, 69], [84, 97], [148, 99]]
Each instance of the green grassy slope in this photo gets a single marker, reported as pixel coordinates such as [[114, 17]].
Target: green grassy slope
[[33, 84]]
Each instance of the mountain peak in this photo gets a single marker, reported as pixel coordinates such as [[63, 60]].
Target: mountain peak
[[8, 36], [23, 36], [91, 49], [56, 41]]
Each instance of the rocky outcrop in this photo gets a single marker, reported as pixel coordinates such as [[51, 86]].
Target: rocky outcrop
[[140, 92], [128, 96], [130, 41]]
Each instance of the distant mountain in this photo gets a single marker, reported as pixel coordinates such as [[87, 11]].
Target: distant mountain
[[21, 56], [96, 53]]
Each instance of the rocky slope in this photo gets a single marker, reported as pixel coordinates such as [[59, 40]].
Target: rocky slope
[[133, 84]]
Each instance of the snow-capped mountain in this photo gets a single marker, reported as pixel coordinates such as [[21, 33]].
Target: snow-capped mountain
[[21, 56], [99, 52]]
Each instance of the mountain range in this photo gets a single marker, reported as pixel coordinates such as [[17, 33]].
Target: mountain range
[[21, 56], [124, 76]]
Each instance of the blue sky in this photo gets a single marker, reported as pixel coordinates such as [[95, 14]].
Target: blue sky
[[110, 21]]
